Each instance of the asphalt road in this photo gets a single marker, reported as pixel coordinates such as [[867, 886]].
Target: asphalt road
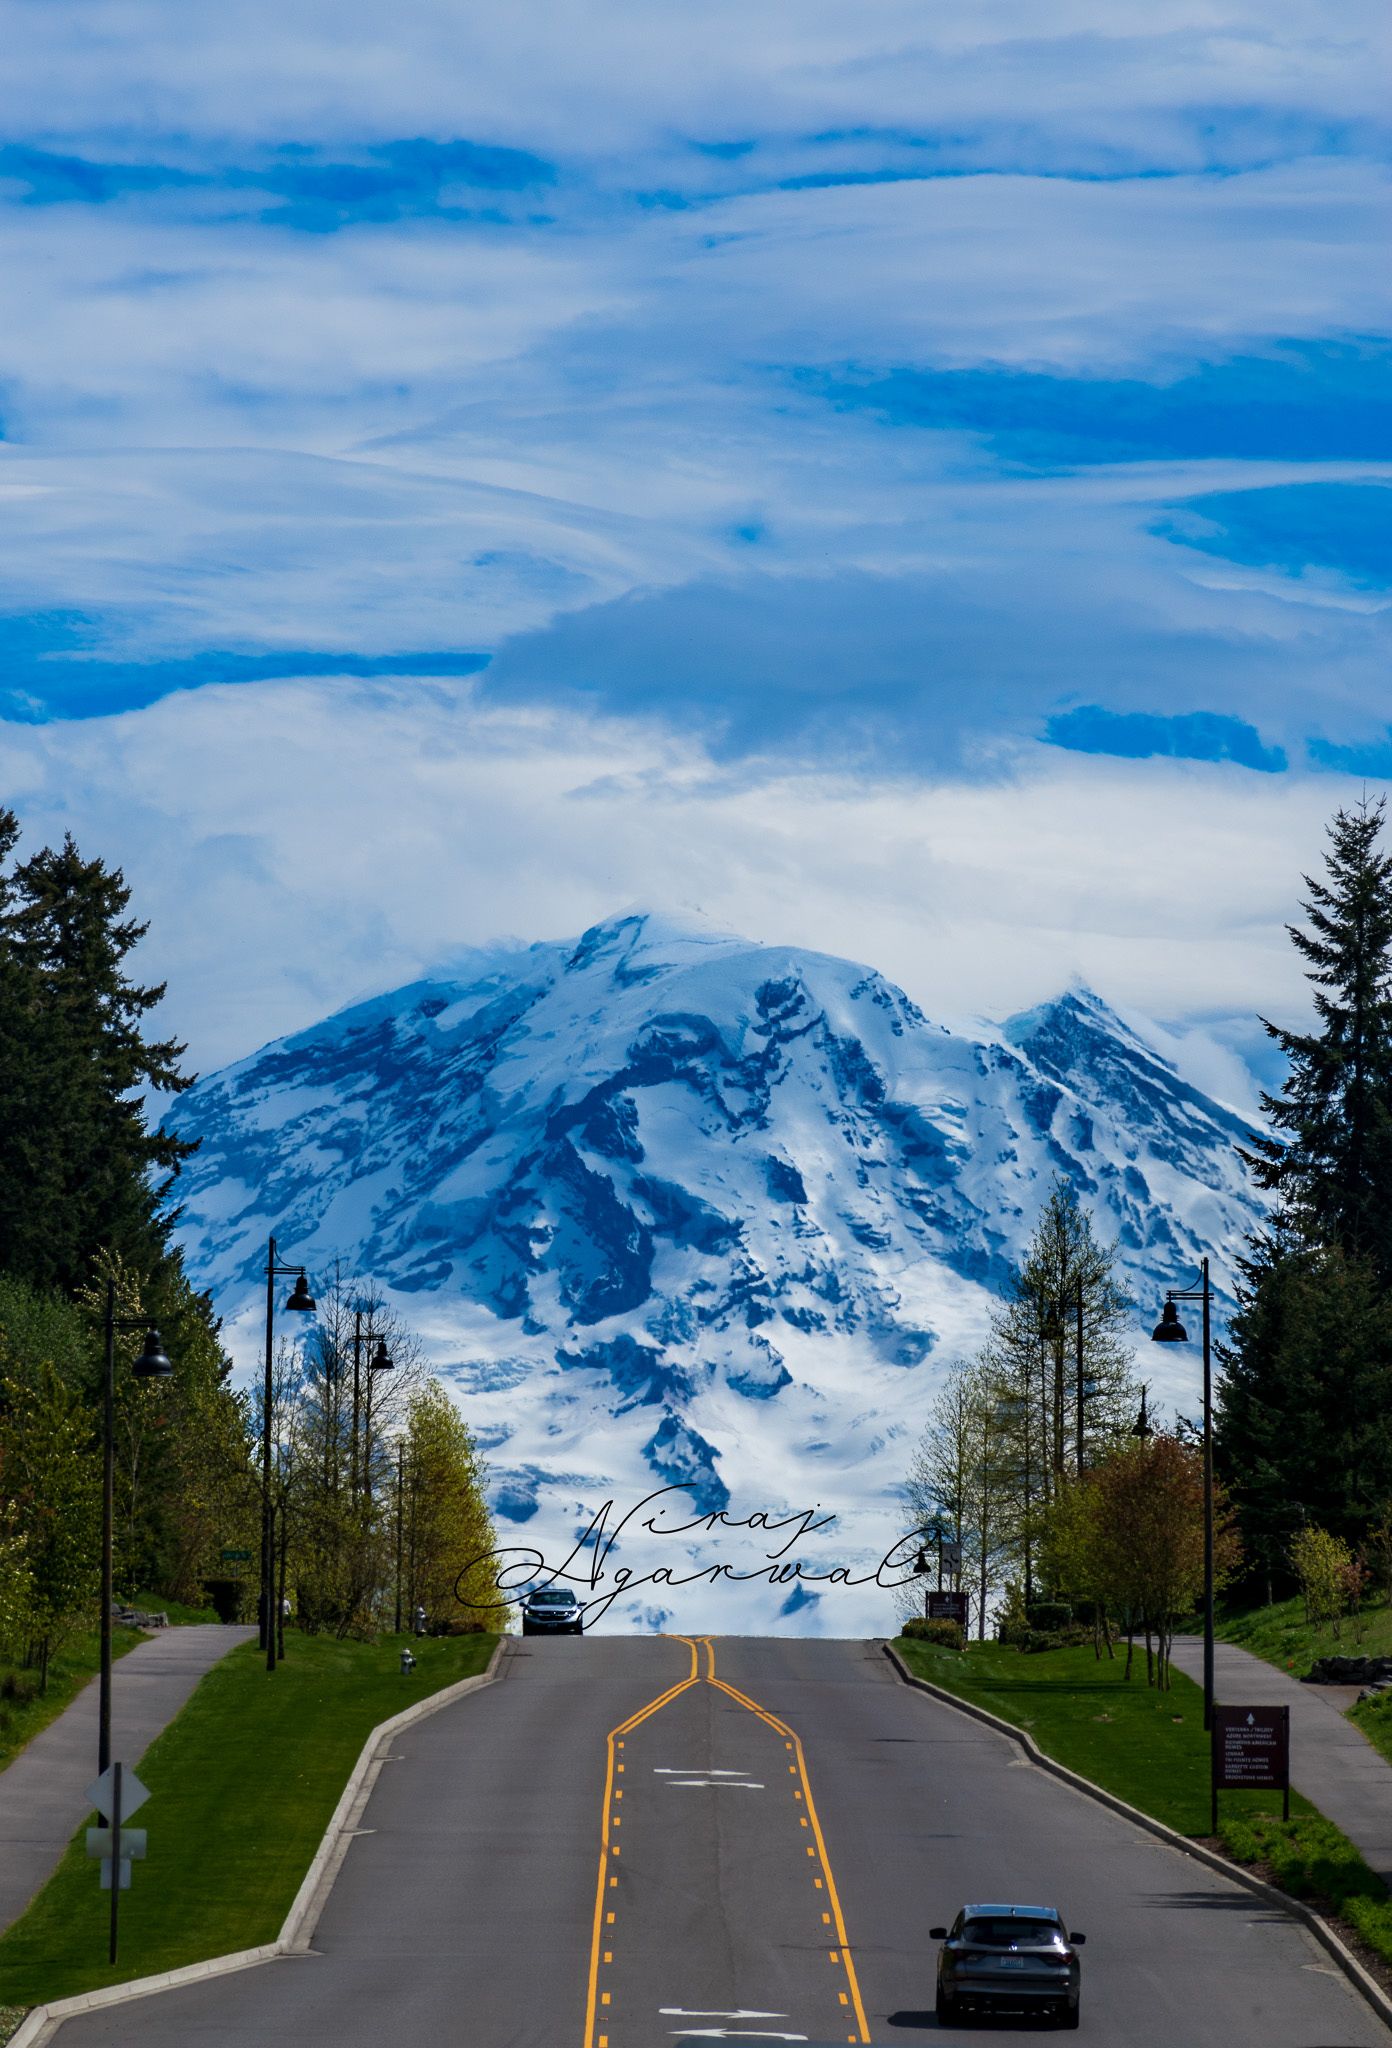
[[517, 1822]]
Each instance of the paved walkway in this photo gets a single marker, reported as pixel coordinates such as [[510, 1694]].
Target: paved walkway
[[1332, 1762], [41, 1794]]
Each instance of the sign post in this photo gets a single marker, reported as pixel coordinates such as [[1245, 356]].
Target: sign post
[[1251, 1752], [117, 1793]]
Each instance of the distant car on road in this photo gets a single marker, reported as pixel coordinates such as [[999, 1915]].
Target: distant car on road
[[998, 1958], [552, 1611]]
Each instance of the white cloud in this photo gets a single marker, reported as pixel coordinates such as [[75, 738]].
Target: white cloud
[[298, 845]]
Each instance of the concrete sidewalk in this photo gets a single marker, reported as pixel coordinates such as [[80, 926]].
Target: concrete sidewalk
[[41, 1793], [1332, 1762]]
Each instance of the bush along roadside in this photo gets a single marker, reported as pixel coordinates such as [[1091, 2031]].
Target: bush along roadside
[[1309, 1858]]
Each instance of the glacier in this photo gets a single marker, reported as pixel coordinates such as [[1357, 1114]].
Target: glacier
[[670, 1209]]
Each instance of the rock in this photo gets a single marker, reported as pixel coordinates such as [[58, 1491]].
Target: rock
[[1365, 1671]]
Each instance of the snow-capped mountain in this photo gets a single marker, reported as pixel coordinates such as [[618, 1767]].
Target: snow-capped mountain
[[667, 1206]]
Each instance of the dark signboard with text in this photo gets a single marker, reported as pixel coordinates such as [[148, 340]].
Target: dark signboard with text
[[948, 1607], [1251, 1751]]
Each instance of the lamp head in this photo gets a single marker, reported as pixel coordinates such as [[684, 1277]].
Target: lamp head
[[380, 1362], [302, 1298], [152, 1363], [1141, 1427], [921, 1565], [1169, 1329]]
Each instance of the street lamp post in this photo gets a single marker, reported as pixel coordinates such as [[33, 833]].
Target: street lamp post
[[151, 1365], [1170, 1330], [303, 1301], [378, 1362]]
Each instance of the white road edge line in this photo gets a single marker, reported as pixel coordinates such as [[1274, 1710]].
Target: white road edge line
[[38, 2027], [1324, 1934]]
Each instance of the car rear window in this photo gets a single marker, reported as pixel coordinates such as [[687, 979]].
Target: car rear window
[[1006, 1933]]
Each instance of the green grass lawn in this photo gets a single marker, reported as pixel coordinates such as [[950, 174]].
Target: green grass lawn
[[76, 1666], [243, 1783], [1281, 1635], [1147, 1747]]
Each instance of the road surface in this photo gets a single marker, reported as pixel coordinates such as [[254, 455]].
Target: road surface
[[628, 1842]]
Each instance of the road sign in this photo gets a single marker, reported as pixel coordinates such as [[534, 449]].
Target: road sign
[[948, 1607], [952, 1557], [237, 1556], [132, 1846], [133, 1794], [1251, 1751]]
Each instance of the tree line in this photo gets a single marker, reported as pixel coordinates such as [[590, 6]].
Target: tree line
[[378, 1502], [1039, 1460], [1073, 1516], [1304, 1414]]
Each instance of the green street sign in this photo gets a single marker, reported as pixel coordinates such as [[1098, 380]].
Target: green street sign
[[236, 1556]]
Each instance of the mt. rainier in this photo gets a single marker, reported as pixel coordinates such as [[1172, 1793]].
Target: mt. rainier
[[669, 1206]]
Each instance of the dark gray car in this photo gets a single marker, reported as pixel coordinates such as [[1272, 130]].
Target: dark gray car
[[1008, 1958], [552, 1611]]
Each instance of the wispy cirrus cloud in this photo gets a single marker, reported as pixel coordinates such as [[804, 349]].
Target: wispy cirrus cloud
[[795, 388]]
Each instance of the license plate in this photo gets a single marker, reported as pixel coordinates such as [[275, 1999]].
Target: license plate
[[1011, 1963]]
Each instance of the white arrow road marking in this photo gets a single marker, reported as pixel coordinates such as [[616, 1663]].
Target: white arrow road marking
[[671, 1771], [721, 1784], [686, 2012], [734, 2034]]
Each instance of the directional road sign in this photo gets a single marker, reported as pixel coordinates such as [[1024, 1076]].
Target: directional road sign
[[133, 1794], [236, 1556]]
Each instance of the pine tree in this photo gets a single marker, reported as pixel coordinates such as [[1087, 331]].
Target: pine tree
[[77, 1159], [1331, 1165]]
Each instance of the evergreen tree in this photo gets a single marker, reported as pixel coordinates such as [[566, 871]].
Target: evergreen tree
[[1303, 1408], [78, 1163], [1331, 1163]]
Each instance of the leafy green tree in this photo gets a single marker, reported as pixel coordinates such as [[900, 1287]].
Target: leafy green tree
[[1331, 1162], [52, 1480], [79, 1165], [445, 1518]]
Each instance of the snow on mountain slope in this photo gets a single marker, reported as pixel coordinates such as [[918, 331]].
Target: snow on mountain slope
[[669, 1206]]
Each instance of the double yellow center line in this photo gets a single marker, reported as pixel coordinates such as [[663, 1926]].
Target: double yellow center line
[[609, 1850]]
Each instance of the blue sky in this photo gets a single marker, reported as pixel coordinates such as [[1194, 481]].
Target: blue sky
[[607, 451]]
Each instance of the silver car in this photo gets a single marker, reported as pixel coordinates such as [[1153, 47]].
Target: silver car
[[997, 1958], [552, 1611]]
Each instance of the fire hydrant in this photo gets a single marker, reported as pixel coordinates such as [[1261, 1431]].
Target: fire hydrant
[[408, 1663]]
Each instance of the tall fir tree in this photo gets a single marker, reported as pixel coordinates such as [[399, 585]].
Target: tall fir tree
[[81, 1171], [1303, 1429], [1330, 1161]]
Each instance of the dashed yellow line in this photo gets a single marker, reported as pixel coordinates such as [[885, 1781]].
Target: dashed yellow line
[[613, 1743], [799, 1768]]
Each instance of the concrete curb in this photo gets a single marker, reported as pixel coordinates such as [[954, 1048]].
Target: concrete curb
[[1324, 1934], [38, 2027]]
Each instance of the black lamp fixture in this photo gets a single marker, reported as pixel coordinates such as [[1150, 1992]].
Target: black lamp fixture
[[152, 1363], [301, 1298], [1169, 1329], [380, 1362], [1141, 1426]]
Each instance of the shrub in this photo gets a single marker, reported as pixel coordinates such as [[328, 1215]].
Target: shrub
[[1047, 1615], [945, 1635]]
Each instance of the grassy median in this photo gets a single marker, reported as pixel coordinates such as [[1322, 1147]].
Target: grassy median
[[1147, 1747], [24, 1710], [243, 1783]]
